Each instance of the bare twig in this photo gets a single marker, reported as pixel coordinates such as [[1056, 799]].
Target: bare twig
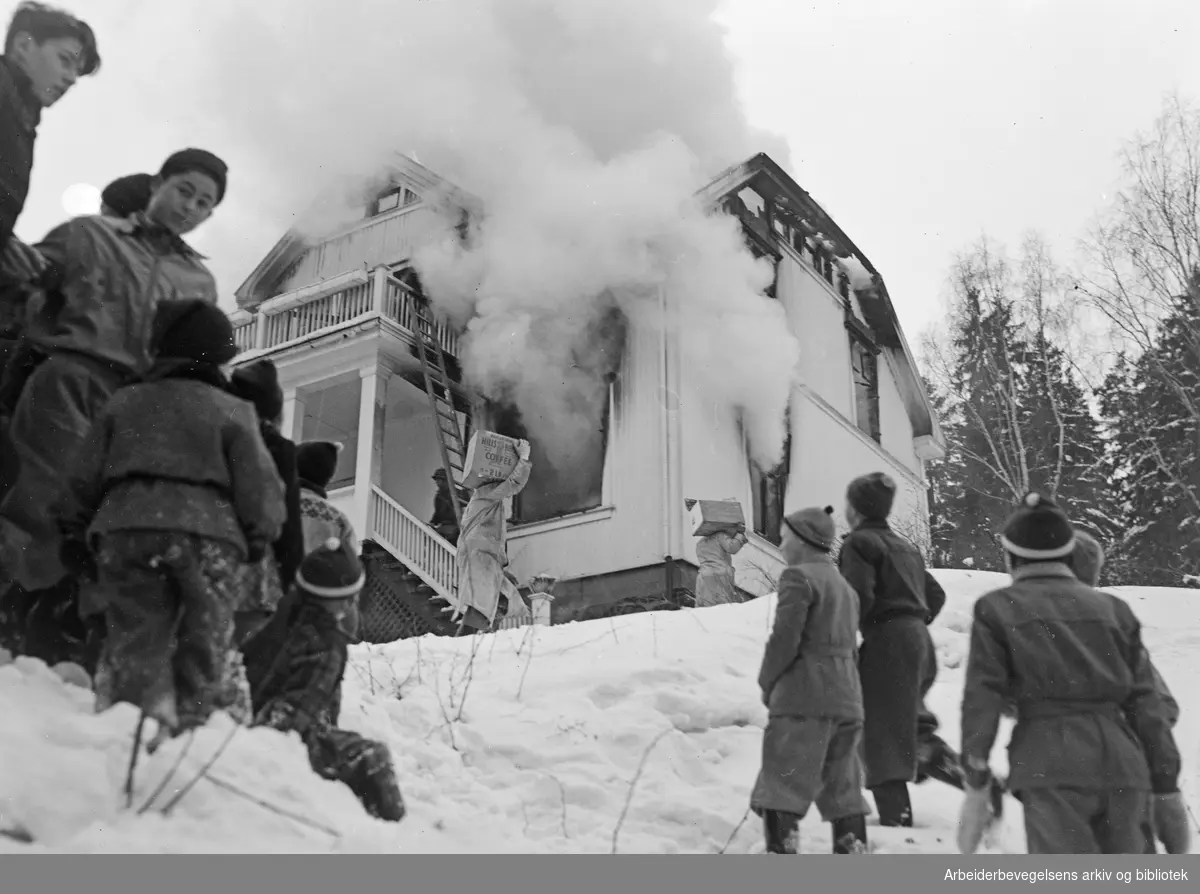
[[266, 805], [208, 765], [468, 676], [161, 787], [528, 663], [612, 623], [736, 829], [633, 785], [562, 793]]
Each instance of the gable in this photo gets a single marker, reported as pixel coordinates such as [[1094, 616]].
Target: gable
[[406, 185]]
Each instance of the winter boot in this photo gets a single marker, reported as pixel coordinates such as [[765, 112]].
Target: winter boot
[[938, 761], [782, 832], [373, 779], [850, 835], [893, 804]]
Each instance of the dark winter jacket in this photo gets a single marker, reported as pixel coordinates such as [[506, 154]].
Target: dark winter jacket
[[302, 671], [176, 453], [20, 114], [889, 575], [810, 666], [107, 277], [1089, 714], [289, 548]]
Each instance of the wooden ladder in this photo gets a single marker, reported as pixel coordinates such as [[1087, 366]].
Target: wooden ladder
[[437, 386]]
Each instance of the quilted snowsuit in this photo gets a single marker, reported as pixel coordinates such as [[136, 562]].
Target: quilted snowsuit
[[295, 685], [481, 557]]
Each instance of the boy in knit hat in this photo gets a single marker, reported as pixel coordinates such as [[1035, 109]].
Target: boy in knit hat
[[316, 464], [1092, 757], [172, 491], [93, 325], [898, 598], [296, 681], [810, 685]]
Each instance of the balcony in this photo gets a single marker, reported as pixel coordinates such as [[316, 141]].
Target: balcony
[[349, 301]]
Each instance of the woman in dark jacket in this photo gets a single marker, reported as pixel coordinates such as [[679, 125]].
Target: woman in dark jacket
[[258, 383]]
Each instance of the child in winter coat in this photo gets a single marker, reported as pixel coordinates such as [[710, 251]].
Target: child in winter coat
[[316, 464], [267, 581], [715, 580], [897, 661], [810, 685], [172, 491], [296, 681], [1092, 758]]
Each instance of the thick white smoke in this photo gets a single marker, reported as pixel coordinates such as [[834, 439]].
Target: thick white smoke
[[584, 126]]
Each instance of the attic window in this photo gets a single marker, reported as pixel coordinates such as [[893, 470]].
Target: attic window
[[399, 197]]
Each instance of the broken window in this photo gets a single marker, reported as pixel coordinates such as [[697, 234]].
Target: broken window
[[398, 197], [575, 482], [768, 490], [864, 364]]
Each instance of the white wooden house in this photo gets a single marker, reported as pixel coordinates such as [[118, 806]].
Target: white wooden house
[[338, 320]]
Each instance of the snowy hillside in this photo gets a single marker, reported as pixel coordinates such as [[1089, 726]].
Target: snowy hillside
[[531, 744]]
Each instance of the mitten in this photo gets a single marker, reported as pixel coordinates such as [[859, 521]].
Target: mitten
[[976, 816], [1171, 823]]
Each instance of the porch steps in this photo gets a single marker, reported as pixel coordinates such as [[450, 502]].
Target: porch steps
[[396, 604]]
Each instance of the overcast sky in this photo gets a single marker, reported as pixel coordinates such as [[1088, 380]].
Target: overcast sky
[[918, 125]]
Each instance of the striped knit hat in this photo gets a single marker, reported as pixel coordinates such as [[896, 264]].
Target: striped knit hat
[[331, 571], [1038, 530]]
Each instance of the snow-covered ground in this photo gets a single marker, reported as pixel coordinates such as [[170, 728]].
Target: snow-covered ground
[[640, 733]]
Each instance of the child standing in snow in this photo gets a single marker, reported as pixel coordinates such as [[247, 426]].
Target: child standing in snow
[[296, 680], [810, 685], [316, 464], [174, 490], [267, 580], [1092, 758]]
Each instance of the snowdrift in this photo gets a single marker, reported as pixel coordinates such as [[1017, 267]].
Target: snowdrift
[[639, 734]]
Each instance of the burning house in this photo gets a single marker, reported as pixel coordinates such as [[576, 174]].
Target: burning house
[[367, 359]]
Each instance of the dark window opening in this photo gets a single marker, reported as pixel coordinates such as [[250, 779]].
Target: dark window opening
[[864, 362], [769, 491], [574, 482]]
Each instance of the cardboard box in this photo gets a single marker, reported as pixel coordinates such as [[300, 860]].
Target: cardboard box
[[710, 516], [490, 458]]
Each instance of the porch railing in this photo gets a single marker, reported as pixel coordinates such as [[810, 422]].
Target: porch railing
[[381, 297], [427, 554]]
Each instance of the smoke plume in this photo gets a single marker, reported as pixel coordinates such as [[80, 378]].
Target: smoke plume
[[583, 126]]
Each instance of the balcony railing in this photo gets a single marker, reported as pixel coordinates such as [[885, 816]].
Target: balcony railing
[[289, 320]]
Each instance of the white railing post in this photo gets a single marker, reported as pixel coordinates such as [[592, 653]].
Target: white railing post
[[363, 471], [260, 330], [379, 291]]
